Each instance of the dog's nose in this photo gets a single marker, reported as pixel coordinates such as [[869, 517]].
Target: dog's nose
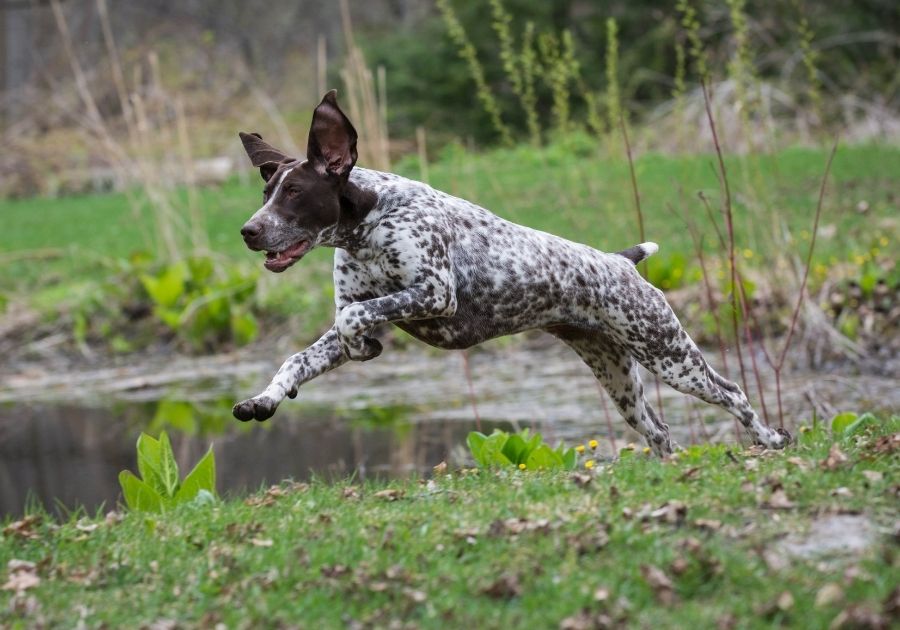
[[250, 230]]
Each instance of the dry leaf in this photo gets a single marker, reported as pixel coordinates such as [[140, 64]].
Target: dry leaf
[[391, 494], [261, 542], [415, 596], [504, 587], [708, 524], [779, 501], [86, 527], [581, 480], [334, 571], [785, 601], [829, 594], [440, 469], [858, 617], [835, 459], [24, 528], [873, 475], [688, 474], [350, 492], [660, 583], [22, 576], [673, 512]]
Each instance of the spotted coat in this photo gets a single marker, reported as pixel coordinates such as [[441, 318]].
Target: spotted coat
[[453, 275]]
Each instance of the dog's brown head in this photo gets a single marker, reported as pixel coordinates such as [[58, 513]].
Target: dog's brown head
[[303, 201]]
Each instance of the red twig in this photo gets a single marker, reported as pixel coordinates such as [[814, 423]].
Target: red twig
[[729, 226], [468, 372]]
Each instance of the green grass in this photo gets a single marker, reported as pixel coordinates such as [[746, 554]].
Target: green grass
[[484, 550], [65, 255], [565, 190]]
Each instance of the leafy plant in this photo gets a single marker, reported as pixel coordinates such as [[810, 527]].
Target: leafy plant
[[159, 488], [518, 449], [190, 300], [847, 423]]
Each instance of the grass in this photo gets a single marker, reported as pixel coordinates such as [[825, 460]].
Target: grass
[[689, 542], [566, 190]]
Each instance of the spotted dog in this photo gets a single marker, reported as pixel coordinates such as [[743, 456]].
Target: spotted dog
[[452, 274]]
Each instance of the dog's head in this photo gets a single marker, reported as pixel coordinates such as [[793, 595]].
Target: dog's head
[[301, 198]]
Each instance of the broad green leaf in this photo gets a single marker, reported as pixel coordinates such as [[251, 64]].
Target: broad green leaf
[[492, 449], [201, 268], [514, 449], [570, 459], [201, 478], [860, 423], [475, 441], [148, 458], [243, 328], [841, 421], [167, 287], [168, 468], [543, 457], [138, 495]]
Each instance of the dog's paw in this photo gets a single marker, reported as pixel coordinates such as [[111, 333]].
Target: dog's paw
[[361, 348], [259, 408]]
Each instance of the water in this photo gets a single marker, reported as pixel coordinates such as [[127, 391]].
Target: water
[[64, 437]]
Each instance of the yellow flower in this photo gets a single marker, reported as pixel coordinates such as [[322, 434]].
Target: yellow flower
[[589, 464], [883, 241], [521, 466], [748, 253], [646, 450], [593, 444], [579, 448]]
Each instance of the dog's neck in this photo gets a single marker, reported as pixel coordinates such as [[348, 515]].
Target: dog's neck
[[357, 202]]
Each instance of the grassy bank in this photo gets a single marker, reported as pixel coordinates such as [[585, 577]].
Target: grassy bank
[[82, 257], [715, 536]]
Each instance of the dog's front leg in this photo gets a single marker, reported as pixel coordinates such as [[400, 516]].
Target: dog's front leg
[[418, 302], [324, 355]]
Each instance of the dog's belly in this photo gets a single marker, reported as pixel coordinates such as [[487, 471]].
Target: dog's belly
[[475, 322]]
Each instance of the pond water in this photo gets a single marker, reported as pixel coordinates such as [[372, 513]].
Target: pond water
[[65, 437]]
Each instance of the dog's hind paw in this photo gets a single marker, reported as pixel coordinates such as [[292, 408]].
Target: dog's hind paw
[[259, 408]]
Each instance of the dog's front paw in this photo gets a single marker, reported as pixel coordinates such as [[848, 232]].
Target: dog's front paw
[[258, 408], [361, 348]]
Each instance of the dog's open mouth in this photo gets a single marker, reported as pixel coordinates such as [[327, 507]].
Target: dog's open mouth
[[279, 261]]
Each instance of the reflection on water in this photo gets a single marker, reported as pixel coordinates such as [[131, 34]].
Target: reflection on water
[[66, 434], [68, 456]]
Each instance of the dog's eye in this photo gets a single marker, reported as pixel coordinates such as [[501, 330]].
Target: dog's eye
[[293, 192]]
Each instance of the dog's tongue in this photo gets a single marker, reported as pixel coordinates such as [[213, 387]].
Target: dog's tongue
[[278, 261]]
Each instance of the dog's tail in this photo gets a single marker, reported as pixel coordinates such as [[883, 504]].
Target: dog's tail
[[639, 252]]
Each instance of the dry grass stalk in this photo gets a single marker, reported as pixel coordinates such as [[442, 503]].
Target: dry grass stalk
[[366, 100]]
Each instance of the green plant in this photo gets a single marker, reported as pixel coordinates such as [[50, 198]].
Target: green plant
[[196, 305], [159, 488], [522, 450], [468, 53], [613, 99]]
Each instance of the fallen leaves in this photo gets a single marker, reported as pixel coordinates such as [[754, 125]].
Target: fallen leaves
[[390, 494], [25, 529], [271, 496], [505, 586], [21, 576], [261, 542], [836, 459], [829, 595], [660, 583], [581, 480]]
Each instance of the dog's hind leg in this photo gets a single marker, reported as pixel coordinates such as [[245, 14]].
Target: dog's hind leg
[[617, 371], [673, 356]]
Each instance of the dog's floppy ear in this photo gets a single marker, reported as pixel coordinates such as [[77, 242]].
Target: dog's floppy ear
[[331, 148], [262, 154]]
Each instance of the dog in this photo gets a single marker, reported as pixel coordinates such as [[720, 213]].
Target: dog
[[453, 275]]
